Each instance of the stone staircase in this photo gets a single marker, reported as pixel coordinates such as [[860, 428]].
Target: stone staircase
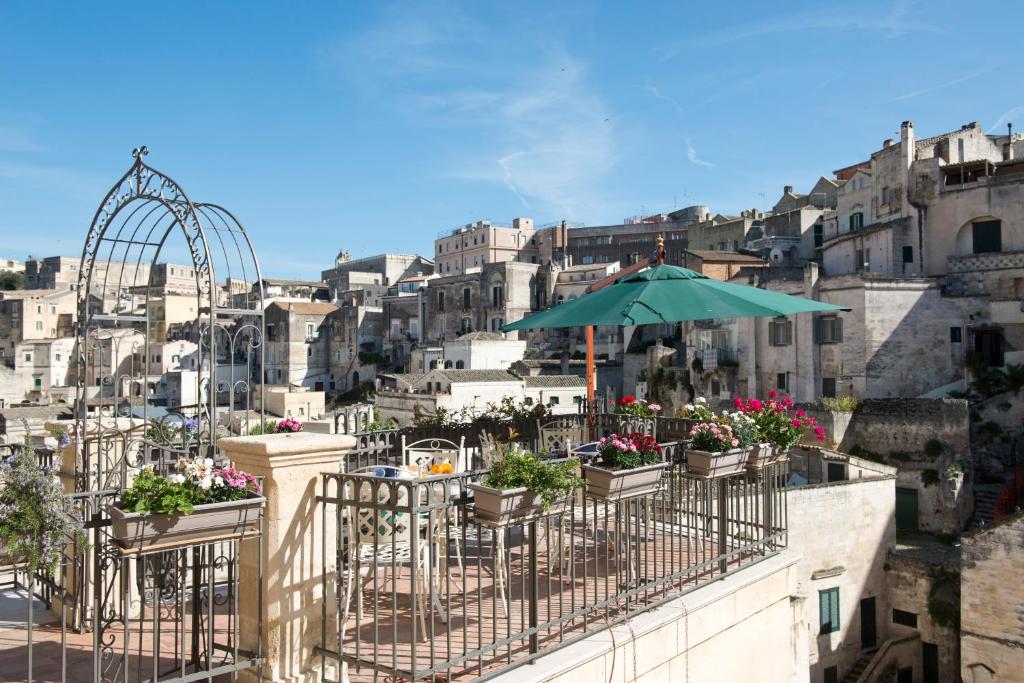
[[854, 674], [985, 496]]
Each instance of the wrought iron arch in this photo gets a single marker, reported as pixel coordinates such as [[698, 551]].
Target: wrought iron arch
[[127, 288]]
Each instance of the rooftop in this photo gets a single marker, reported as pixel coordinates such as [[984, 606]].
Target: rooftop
[[478, 375], [306, 307], [554, 382], [726, 257]]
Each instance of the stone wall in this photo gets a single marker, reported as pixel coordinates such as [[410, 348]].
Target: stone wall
[[992, 602], [912, 586], [842, 531], [900, 425]]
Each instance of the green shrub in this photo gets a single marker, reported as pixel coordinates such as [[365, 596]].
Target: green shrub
[[518, 469], [933, 448], [839, 404]]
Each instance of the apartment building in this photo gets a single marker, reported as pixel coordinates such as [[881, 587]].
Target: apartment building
[[297, 343], [382, 270], [35, 314], [475, 245], [44, 369]]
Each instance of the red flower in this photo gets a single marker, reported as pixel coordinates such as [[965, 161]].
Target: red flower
[[627, 399], [772, 393]]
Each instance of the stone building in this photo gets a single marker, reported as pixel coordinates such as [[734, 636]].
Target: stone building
[[486, 298], [383, 270], [283, 290], [298, 343], [722, 232], [721, 265], [35, 314], [992, 602], [475, 245], [44, 369], [625, 243], [356, 336]]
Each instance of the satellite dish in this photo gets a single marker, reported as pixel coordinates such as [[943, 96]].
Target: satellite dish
[[775, 255]]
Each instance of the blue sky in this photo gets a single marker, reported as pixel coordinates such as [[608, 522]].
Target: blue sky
[[372, 127]]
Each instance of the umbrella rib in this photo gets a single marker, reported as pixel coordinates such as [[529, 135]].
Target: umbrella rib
[[637, 301]]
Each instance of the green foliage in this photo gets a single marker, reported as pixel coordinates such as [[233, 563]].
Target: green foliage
[[154, 494], [839, 404], [10, 280], [933, 448], [988, 381], [34, 524], [944, 611], [550, 480], [197, 482], [860, 452], [930, 477], [371, 358], [629, 452], [267, 427]]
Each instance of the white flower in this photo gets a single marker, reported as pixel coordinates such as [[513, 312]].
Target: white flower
[[177, 478], [205, 483], [701, 400], [218, 480], [208, 463]]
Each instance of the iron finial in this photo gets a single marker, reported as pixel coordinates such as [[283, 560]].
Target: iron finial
[[140, 152]]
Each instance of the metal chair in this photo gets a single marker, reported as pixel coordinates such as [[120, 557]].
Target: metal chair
[[557, 435], [426, 452]]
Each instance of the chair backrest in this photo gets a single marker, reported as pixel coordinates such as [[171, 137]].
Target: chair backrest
[[427, 452], [380, 525], [560, 434]]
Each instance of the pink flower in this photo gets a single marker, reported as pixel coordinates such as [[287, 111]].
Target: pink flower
[[795, 422], [772, 393], [799, 412], [737, 403]]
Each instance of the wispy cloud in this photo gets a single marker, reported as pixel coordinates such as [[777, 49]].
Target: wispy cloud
[[691, 155], [654, 90], [940, 86], [542, 131], [16, 140], [1006, 117], [897, 22]]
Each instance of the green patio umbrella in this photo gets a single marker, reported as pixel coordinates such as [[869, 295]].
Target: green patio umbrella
[[664, 294], [668, 294]]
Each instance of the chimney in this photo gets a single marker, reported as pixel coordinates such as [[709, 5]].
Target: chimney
[[887, 142], [788, 189], [1009, 142], [907, 130]]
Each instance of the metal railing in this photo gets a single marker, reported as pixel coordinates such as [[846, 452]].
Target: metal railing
[[425, 588]]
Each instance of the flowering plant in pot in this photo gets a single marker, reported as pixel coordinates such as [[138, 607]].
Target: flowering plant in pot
[[198, 500], [714, 450], [520, 486], [35, 524], [637, 407], [630, 465], [698, 410], [780, 423]]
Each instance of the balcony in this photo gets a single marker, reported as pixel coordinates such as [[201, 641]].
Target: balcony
[[477, 599]]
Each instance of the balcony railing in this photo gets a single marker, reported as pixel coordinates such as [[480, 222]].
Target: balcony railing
[[423, 588]]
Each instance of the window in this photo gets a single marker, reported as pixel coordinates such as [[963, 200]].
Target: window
[[28, 357], [908, 254], [819, 235], [782, 381], [828, 610], [37, 381], [498, 296], [956, 335], [832, 674], [310, 331], [467, 325], [440, 300], [53, 310], [828, 329], [828, 387], [886, 195], [56, 357], [465, 297], [780, 332], [496, 324], [904, 618], [553, 401], [836, 471], [460, 365], [39, 326], [987, 236], [857, 220]]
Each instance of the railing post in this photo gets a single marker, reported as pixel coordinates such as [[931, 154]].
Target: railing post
[[286, 624], [723, 524], [534, 614]]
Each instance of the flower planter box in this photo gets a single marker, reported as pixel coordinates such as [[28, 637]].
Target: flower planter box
[[501, 507], [761, 455], [713, 465], [608, 484], [138, 530]]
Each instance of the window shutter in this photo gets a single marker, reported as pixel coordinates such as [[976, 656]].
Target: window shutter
[[823, 612], [817, 330], [838, 329], [834, 604], [788, 332]]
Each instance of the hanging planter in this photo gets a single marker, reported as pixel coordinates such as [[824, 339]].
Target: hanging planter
[[520, 487], [761, 455], [196, 503], [715, 451], [629, 466]]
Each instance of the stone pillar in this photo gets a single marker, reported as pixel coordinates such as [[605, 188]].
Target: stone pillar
[[293, 557]]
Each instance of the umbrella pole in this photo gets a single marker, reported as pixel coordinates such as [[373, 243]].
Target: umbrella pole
[[591, 382]]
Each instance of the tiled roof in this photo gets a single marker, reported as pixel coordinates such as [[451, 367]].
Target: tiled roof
[[481, 336], [409, 378], [554, 382], [478, 375], [306, 307]]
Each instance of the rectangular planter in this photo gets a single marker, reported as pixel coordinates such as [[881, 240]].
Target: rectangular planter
[[713, 465], [761, 454], [501, 507], [607, 484], [138, 530]]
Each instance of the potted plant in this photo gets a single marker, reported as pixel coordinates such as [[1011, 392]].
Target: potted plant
[[744, 428], [630, 466], [34, 522], [779, 424], [521, 487], [714, 451], [198, 501]]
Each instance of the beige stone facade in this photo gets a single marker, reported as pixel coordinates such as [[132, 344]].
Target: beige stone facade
[[477, 244]]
